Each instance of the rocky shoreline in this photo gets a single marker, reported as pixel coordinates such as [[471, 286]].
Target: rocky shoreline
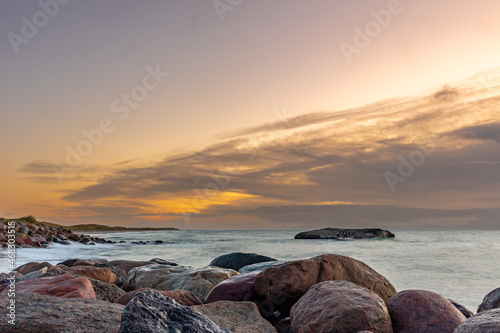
[[236, 292]]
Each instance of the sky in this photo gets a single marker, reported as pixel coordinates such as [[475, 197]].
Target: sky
[[238, 114]]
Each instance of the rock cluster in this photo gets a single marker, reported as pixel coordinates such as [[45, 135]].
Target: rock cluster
[[327, 293]]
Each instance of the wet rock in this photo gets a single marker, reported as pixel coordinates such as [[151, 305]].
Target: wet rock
[[47, 314], [423, 311], [237, 260], [340, 307], [149, 311], [284, 284], [64, 286], [487, 321], [183, 297], [236, 288], [237, 317], [490, 301], [337, 233]]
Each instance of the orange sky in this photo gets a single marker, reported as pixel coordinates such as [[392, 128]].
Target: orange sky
[[252, 117]]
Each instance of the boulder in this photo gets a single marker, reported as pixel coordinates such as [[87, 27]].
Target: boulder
[[82, 262], [127, 265], [340, 307], [64, 286], [337, 233], [236, 317], [121, 276], [200, 281], [98, 273], [237, 288], [31, 267], [163, 262], [33, 275], [237, 260], [284, 284], [183, 297], [487, 321], [423, 311], [149, 311], [490, 301], [466, 312], [37, 313], [260, 266]]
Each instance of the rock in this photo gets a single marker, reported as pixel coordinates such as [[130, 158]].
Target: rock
[[23, 229], [236, 288], [107, 291], [237, 317], [237, 260], [200, 281], [487, 321], [337, 233], [98, 273], [163, 262], [183, 297], [64, 286], [284, 284], [466, 312], [46, 314], [127, 265], [260, 266], [82, 262], [340, 307], [490, 301], [33, 275], [121, 276], [423, 311], [32, 266], [149, 311]]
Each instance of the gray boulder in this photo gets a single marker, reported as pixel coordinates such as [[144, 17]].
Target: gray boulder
[[490, 301], [485, 322], [237, 260]]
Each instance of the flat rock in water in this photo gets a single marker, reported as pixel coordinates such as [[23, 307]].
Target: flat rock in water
[[149, 311], [37, 313], [338, 233], [237, 317]]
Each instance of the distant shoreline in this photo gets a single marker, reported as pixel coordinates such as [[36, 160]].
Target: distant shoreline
[[112, 231]]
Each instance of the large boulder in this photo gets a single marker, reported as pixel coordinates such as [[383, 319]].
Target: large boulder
[[284, 284], [64, 286], [103, 274], [487, 321], [32, 266], [237, 317], [121, 276], [237, 260], [149, 311], [340, 307], [466, 312], [337, 233], [82, 262], [183, 297], [200, 281], [423, 311], [37, 313], [237, 288], [490, 301], [127, 265], [34, 274], [260, 266]]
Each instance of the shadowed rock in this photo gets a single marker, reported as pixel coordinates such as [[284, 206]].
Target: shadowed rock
[[490, 301], [487, 321], [337, 233], [183, 297], [237, 260]]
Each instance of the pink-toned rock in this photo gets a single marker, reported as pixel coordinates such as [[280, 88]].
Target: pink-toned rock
[[423, 311], [32, 266], [236, 288], [284, 284], [183, 297], [340, 307], [65, 286], [98, 273]]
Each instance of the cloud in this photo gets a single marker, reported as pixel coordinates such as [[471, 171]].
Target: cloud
[[489, 131]]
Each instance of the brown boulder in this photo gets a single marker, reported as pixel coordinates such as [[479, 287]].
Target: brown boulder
[[284, 284], [37, 313], [64, 286], [236, 288], [423, 311], [183, 297], [237, 317], [98, 273], [487, 321], [32, 266], [340, 307]]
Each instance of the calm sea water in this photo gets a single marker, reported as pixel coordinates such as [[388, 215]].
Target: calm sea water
[[461, 265]]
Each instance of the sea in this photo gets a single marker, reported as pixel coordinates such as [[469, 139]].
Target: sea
[[460, 265]]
